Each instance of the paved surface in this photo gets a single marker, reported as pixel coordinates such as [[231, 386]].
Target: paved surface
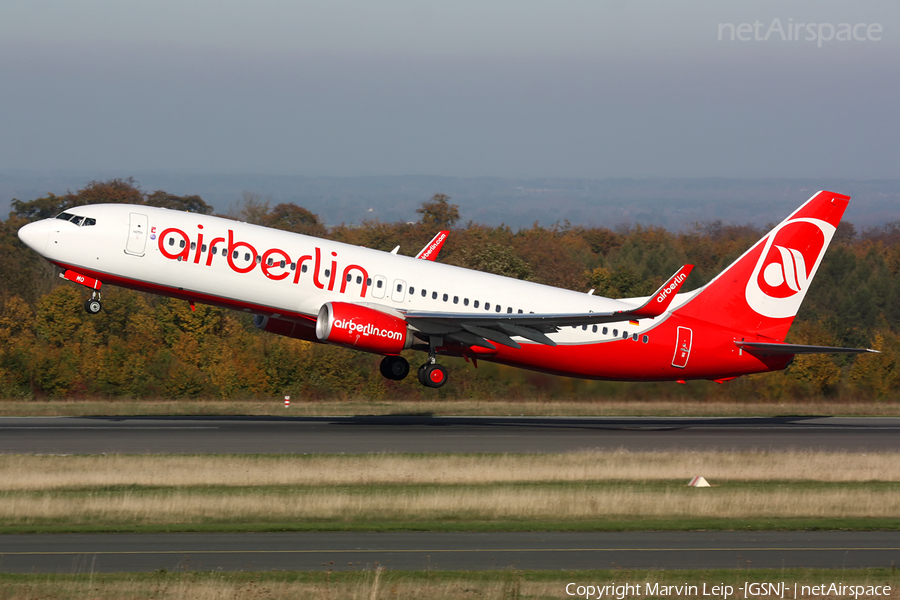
[[364, 434], [451, 551]]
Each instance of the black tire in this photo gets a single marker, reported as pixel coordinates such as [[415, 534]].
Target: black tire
[[394, 367], [92, 306], [432, 375]]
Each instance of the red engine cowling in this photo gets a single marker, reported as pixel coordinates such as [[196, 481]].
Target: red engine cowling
[[362, 328]]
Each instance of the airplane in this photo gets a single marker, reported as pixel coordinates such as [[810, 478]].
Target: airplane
[[383, 303]]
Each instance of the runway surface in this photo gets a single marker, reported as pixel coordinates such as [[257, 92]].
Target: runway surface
[[450, 551], [365, 434]]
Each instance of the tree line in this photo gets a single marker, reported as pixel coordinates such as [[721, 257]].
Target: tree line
[[144, 346]]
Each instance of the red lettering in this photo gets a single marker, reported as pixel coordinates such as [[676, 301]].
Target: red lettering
[[365, 279], [185, 252], [265, 264], [321, 286], [333, 273], [300, 262], [212, 250], [232, 246], [199, 247]]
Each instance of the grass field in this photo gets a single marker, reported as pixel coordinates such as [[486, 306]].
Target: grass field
[[590, 490], [431, 585], [489, 407]]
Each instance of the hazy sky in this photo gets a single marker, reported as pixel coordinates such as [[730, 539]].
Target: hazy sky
[[464, 88]]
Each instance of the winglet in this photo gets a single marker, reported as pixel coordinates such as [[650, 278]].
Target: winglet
[[659, 302], [433, 248]]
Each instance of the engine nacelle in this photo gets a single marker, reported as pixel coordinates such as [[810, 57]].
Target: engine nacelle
[[362, 328], [286, 328]]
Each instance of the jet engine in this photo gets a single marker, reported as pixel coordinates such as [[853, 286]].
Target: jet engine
[[362, 328]]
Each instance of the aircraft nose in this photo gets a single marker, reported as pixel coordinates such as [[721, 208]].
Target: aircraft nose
[[36, 235]]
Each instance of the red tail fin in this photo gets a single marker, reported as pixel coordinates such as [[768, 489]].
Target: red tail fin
[[760, 293]]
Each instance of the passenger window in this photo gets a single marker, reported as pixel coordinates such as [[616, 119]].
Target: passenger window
[[203, 248], [434, 295], [445, 297], [246, 256], [455, 299], [368, 281], [584, 327], [520, 311], [349, 277], [234, 255], [645, 339], [305, 268], [358, 278], [293, 266], [378, 284], [412, 290], [270, 262], [181, 244], [497, 308], [424, 293], [171, 241], [487, 306], [224, 251], [624, 335], [282, 264], [399, 285], [615, 333], [327, 272], [475, 304], [594, 329], [605, 330], [466, 301], [509, 310], [634, 336], [193, 245]]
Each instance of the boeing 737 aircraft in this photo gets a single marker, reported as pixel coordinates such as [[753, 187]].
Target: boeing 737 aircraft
[[324, 291]]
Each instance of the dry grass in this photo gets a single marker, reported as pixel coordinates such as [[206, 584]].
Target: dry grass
[[445, 504], [488, 407], [44, 473]]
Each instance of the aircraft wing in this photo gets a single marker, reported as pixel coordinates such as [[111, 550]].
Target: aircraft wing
[[482, 329]]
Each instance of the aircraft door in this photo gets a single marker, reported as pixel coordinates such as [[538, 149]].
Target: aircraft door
[[137, 234], [398, 292], [682, 347]]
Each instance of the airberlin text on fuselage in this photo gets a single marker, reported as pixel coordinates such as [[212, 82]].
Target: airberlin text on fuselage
[[273, 271]]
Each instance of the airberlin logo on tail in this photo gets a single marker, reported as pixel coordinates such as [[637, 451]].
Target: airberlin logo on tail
[[790, 257], [676, 281], [366, 329]]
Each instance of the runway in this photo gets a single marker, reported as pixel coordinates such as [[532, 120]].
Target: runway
[[446, 551], [368, 434]]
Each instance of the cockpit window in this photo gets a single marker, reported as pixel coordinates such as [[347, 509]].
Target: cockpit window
[[77, 219]]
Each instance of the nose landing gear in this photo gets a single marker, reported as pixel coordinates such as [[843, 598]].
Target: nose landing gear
[[93, 306]]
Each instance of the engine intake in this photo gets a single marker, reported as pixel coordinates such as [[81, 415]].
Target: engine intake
[[362, 328]]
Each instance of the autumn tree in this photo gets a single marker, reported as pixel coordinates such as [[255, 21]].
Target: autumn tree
[[438, 213]]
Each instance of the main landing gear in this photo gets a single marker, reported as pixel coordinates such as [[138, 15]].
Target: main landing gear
[[93, 306], [430, 374]]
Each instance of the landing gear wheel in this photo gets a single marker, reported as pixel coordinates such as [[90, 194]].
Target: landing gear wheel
[[432, 375], [394, 367], [92, 306]]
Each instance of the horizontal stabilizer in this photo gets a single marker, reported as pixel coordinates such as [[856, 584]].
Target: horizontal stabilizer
[[770, 349]]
